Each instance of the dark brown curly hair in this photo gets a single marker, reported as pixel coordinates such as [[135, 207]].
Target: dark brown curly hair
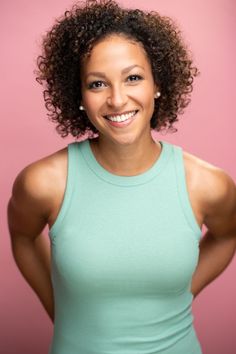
[[72, 38]]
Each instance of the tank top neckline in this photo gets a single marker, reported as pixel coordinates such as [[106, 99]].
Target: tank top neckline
[[112, 178]]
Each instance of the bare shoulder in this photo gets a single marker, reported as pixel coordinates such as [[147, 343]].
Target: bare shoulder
[[213, 188], [38, 184]]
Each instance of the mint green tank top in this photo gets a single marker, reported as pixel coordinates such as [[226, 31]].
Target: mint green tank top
[[124, 249]]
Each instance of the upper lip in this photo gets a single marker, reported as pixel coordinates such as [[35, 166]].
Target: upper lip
[[120, 113]]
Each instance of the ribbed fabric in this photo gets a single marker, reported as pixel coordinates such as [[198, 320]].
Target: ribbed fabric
[[124, 249]]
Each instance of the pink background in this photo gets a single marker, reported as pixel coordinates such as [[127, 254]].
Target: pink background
[[207, 130]]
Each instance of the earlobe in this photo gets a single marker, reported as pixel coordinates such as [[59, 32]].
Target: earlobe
[[157, 91]]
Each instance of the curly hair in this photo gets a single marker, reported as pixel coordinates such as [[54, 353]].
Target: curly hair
[[74, 35]]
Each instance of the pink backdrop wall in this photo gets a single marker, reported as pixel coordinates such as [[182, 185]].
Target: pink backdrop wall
[[207, 130]]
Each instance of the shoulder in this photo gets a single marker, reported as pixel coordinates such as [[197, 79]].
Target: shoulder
[[216, 193], [37, 184]]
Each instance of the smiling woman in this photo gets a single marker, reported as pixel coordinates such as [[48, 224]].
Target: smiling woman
[[118, 91], [124, 212], [73, 37]]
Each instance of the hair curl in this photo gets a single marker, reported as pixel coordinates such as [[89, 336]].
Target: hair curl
[[72, 38]]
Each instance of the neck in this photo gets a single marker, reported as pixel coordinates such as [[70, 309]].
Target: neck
[[126, 160]]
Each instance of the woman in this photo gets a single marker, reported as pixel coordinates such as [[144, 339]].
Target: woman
[[124, 212]]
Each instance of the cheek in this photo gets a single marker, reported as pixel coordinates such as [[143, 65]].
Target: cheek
[[143, 93], [147, 100], [93, 104]]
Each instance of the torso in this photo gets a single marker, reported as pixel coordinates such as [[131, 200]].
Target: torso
[[193, 170]]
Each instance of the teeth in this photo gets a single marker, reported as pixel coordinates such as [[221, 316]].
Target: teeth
[[122, 117]]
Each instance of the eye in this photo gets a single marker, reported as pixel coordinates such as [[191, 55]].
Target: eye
[[95, 85], [134, 78]]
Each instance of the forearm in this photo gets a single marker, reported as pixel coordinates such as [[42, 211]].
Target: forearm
[[33, 260], [214, 257]]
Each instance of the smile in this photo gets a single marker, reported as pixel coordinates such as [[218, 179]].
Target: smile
[[120, 117]]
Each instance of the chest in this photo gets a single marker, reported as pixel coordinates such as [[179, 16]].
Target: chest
[[125, 240], [192, 182]]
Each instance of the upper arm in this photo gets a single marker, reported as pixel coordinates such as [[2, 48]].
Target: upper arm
[[29, 204], [219, 195]]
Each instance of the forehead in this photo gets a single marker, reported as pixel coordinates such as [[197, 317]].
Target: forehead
[[116, 51]]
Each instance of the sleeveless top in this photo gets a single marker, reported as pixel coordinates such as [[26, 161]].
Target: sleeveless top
[[124, 249]]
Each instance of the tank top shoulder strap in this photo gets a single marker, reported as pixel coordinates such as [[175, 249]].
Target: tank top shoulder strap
[[183, 191], [69, 187]]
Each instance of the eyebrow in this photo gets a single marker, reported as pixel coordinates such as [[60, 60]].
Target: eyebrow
[[124, 71]]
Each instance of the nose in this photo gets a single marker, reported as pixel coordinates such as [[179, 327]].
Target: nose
[[117, 97]]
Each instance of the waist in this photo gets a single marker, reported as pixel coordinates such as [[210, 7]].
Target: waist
[[125, 325]]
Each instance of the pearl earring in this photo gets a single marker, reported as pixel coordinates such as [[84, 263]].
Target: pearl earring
[[81, 108], [157, 94]]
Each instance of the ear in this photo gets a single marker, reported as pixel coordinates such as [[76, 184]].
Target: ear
[[81, 101], [157, 92], [156, 89]]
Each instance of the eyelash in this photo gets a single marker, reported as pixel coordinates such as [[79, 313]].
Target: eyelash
[[91, 85]]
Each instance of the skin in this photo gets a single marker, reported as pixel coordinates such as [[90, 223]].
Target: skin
[[39, 188], [128, 150]]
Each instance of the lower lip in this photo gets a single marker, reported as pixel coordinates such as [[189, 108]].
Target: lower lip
[[122, 124]]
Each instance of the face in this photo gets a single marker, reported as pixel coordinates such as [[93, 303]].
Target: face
[[118, 90]]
